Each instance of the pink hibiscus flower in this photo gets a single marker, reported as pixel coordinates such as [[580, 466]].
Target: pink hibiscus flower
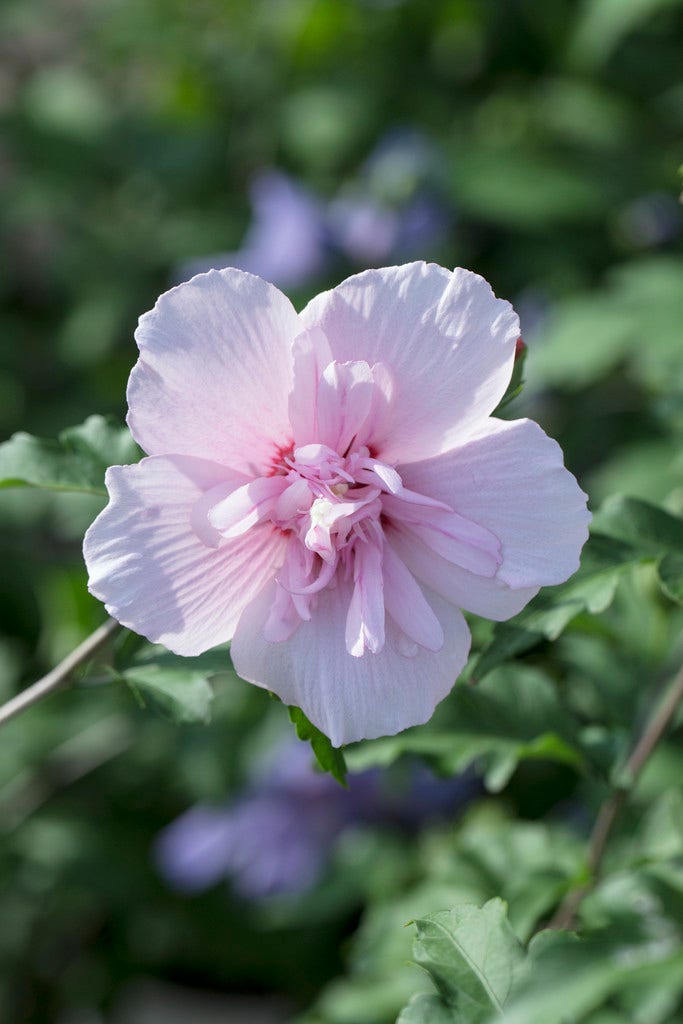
[[328, 489]]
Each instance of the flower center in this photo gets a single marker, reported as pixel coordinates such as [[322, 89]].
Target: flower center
[[334, 501], [322, 511], [326, 500]]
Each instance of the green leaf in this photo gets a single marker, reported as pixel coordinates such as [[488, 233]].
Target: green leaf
[[633, 964], [524, 190], [670, 573], [76, 461], [426, 1009], [600, 26], [585, 338], [472, 956], [483, 855], [564, 977], [516, 385], [180, 685], [633, 320], [591, 589], [513, 715], [661, 835], [653, 532], [331, 759]]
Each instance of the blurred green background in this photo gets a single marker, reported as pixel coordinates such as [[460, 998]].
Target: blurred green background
[[141, 140]]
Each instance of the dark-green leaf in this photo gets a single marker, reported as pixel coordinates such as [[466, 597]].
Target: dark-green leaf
[[591, 589], [516, 385], [513, 715], [653, 532], [330, 759]]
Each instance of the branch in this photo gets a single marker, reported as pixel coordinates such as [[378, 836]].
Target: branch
[[610, 809], [59, 676]]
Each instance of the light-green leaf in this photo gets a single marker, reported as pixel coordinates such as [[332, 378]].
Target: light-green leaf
[[565, 978], [426, 1009], [75, 462], [661, 835], [472, 956], [180, 685]]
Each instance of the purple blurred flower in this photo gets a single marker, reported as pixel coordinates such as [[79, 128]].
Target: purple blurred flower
[[393, 210], [363, 230], [424, 224], [278, 836], [285, 243]]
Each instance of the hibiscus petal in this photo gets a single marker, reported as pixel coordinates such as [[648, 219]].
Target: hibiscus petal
[[511, 479], [407, 605], [455, 538], [378, 474], [297, 497], [288, 609], [450, 344], [153, 572], [365, 617], [345, 400], [349, 698], [311, 354], [214, 371], [246, 506], [479, 594]]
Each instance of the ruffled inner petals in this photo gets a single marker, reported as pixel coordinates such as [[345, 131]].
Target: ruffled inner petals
[[452, 536], [407, 605], [345, 397], [311, 354], [248, 505], [365, 618]]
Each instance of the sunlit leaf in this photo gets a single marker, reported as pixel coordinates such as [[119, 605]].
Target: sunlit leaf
[[601, 25], [427, 1009], [472, 956], [180, 685], [565, 977], [76, 461]]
